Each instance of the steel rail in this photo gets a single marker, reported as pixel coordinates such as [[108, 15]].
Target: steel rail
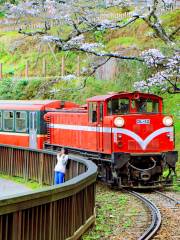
[[168, 197], [156, 217]]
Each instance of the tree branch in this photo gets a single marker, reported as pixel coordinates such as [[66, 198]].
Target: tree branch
[[38, 32], [174, 32], [111, 55]]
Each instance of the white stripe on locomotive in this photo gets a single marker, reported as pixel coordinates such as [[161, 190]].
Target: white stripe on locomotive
[[137, 138]]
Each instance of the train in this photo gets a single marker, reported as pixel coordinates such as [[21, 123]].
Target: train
[[125, 133]]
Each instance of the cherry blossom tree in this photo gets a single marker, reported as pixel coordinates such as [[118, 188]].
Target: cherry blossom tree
[[82, 17], [166, 72]]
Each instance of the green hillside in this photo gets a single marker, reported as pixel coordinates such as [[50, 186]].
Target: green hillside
[[16, 50]]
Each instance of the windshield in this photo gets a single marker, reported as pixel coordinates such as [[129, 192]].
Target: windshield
[[118, 106], [125, 105], [145, 105]]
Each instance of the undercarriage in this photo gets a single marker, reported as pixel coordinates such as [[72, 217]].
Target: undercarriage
[[140, 171], [127, 170]]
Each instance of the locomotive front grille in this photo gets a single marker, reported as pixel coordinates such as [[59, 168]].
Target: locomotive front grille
[[132, 145], [152, 146], [143, 128]]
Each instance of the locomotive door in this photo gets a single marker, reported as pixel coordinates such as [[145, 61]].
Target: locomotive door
[[100, 128], [33, 130]]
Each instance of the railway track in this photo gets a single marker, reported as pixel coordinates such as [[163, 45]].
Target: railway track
[[168, 204], [126, 214], [169, 198], [155, 217]]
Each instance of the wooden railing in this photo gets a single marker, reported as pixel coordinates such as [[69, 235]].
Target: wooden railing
[[54, 212]]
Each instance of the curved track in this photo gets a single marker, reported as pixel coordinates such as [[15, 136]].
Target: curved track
[[168, 204], [156, 217], [171, 199]]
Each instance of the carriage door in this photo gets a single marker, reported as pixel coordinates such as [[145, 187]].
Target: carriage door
[[100, 127], [33, 130]]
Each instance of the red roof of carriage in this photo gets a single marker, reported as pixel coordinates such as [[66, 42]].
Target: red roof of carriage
[[29, 104], [119, 94]]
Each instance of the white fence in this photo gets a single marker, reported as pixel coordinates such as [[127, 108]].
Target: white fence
[[7, 25]]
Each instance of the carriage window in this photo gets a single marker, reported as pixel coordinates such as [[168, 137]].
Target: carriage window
[[21, 122], [118, 106], [93, 112], [8, 121], [0, 120], [101, 112]]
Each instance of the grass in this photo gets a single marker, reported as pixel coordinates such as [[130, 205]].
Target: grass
[[140, 35], [111, 207], [123, 41], [170, 18], [30, 183]]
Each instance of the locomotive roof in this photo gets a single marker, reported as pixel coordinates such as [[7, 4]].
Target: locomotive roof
[[120, 94], [29, 104]]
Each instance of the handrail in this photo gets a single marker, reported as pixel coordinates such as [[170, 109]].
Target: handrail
[[54, 212]]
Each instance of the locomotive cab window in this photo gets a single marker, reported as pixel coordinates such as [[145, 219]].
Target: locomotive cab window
[[21, 121], [8, 120], [0, 120], [144, 105], [118, 106], [92, 112]]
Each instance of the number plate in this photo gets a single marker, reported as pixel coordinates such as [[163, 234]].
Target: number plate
[[143, 121]]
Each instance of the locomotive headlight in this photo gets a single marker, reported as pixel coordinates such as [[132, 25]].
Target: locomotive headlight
[[119, 122], [167, 121]]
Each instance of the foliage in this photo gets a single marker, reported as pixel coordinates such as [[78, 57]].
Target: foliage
[[166, 71], [129, 72], [1, 14], [99, 36], [23, 89], [9, 1]]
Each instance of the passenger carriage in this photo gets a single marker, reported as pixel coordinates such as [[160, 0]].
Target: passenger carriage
[[22, 122]]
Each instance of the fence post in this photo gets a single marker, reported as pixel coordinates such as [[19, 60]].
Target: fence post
[[1, 72], [41, 168], [11, 155], [62, 66], [78, 66], [44, 67], [27, 69], [26, 165]]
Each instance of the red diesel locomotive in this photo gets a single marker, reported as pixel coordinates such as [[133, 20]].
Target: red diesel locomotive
[[126, 134]]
